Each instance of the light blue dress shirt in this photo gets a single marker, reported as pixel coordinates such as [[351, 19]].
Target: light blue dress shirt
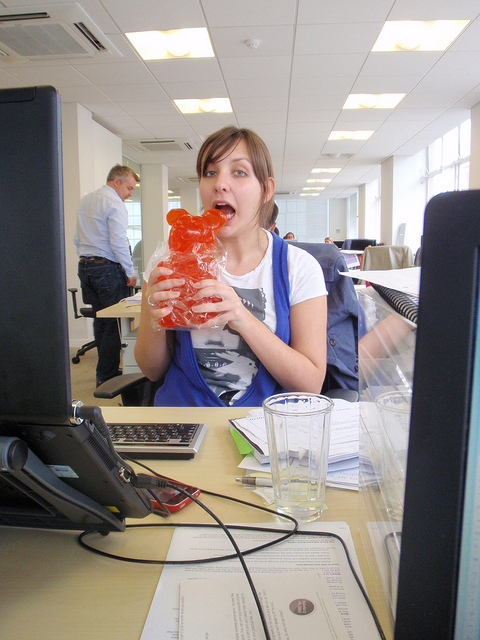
[[102, 221]]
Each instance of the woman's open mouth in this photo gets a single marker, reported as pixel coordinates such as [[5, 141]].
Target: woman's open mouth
[[226, 208]]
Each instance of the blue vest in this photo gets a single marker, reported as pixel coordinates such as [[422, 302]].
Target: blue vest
[[184, 384]]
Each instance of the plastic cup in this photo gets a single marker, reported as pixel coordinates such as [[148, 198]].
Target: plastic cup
[[393, 412], [298, 435]]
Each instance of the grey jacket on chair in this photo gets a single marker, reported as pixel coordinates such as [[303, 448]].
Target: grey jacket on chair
[[342, 321]]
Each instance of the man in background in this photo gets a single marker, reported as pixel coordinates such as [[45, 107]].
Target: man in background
[[105, 267]]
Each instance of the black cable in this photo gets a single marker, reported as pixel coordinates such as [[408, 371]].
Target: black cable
[[143, 482], [161, 510], [282, 538]]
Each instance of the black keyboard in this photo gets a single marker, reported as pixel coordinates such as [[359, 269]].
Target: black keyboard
[[158, 440]]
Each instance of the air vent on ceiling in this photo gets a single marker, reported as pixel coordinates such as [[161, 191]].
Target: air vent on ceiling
[[51, 31], [285, 193], [169, 144]]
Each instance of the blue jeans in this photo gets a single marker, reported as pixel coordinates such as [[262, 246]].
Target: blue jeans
[[104, 283]]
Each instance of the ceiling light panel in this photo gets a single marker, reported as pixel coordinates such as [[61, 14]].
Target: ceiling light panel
[[177, 43], [350, 135], [410, 35], [373, 100], [208, 105]]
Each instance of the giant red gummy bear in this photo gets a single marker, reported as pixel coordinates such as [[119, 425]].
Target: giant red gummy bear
[[191, 256]]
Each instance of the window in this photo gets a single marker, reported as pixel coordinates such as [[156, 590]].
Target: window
[[449, 161], [174, 203], [306, 219]]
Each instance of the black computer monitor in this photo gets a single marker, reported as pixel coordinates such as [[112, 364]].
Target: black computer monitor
[[57, 466], [439, 576]]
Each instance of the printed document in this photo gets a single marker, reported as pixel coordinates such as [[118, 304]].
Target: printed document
[[298, 607]]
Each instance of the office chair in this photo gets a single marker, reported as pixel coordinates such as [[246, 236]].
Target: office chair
[[341, 380], [85, 312]]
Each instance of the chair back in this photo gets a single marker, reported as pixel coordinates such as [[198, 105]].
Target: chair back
[[85, 298], [83, 312], [342, 320]]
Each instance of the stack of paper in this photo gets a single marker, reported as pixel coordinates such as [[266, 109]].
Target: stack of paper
[[135, 299], [343, 453]]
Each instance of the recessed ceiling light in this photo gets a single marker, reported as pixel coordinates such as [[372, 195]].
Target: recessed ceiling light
[[373, 100], [207, 105], [316, 180], [178, 43], [329, 170], [313, 188], [411, 35], [350, 135], [309, 195]]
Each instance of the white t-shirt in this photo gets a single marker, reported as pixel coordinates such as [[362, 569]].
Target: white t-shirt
[[226, 361]]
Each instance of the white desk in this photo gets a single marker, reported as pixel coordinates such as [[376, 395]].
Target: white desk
[[51, 588], [129, 316]]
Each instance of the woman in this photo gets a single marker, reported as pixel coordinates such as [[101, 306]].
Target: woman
[[270, 330]]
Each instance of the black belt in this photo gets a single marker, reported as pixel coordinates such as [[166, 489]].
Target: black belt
[[97, 260]]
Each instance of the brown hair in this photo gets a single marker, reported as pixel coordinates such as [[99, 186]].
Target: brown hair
[[220, 142], [121, 172], [273, 217]]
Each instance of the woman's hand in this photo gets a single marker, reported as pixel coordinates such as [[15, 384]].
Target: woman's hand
[[154, 347], [158, 293], [229, 309]]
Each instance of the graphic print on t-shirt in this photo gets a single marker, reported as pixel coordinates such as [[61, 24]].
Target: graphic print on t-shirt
[[226, 361]]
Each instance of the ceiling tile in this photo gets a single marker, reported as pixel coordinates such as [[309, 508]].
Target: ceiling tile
[[384, 84], [336, 38], [341, 11], [434, 10], [259, 67], [319, 66], [249, 12], [259, 88], [116, 73], [147, 15], [131, 93], [206, 69], [195, 89], [229, 42], [83, 95], [58, 76], [400, 63]]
